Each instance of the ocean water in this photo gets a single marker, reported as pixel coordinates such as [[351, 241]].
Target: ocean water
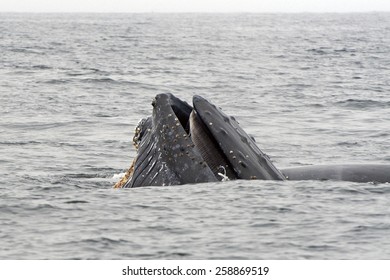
[[311, 88]]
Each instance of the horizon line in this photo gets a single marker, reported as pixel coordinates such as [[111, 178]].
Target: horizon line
[[194, 12]]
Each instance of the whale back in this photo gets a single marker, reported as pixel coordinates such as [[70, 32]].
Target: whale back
[[362, 173]]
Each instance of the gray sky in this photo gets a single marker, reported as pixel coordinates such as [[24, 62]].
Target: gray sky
[[194, 5]]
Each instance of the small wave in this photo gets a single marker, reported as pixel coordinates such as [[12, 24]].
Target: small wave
[[20, 143], [345, 50], [349, 144], [320, 247], [173, 255], [75, 201], [363, 103], [378, 227], [367, 190], [316, 105], [42, 206], [103, 115], [85, 71], [41, 67], [265, 225], [87, 176], [326, 50], [57, 81], [26, 50], [379, 188], [103, 179], [108, 80], [86, 80], [319, 51], [99, 80], [76, 74], [104, 241], [173, 58]]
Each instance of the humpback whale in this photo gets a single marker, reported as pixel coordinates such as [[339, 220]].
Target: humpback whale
[[183, 144]]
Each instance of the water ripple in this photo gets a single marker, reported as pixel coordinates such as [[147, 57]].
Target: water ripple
[[310, 88]]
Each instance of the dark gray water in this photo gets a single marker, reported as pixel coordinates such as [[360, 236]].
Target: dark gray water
[[311, 88]]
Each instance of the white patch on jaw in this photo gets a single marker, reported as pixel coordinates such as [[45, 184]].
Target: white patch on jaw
[[223, 175]]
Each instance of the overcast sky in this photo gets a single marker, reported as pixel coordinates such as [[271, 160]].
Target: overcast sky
[[194, 5]]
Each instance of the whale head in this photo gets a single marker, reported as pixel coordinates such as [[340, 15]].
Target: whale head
[[183, 144]]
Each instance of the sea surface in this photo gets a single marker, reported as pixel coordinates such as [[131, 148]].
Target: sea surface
[[311, 88]]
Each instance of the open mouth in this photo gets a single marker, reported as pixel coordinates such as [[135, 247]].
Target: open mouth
[[209, 147], [182, 144]]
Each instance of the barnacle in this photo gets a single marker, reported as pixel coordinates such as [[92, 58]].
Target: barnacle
[[126, 177], [130, 170]]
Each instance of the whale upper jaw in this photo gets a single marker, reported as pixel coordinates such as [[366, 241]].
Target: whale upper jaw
[[243, 155], [181, 144]]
